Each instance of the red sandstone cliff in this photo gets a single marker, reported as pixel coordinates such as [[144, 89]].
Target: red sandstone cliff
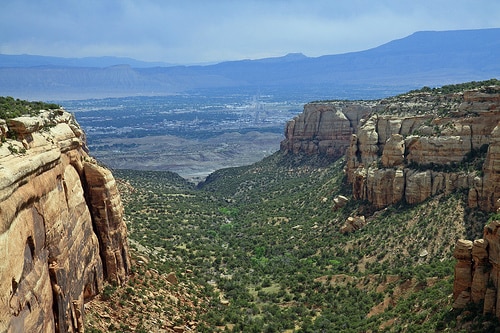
[[409, 147], [61, 225], [418, 146], [477, 271], [323, 128]]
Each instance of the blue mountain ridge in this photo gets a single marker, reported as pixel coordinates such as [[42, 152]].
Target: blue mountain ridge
[[430, 58]]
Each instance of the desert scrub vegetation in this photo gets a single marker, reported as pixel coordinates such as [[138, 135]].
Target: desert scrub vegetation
[[456, 88], [147, 303], [264, 245], [11, 108]]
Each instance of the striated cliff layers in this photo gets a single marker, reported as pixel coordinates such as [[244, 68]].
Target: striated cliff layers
[[323, 128], [418, 145], [409, 147], [477, 272], [61, 225]]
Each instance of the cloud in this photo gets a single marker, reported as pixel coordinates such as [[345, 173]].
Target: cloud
[[187, 31]]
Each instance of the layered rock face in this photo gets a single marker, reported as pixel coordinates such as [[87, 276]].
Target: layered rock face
[[409, 147], [61, 225], [420, 145], [323, 128], [477, 271]]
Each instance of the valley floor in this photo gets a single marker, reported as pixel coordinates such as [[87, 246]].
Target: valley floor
[[264, 253]]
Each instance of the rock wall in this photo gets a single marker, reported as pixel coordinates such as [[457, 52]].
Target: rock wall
[[323, 128], [408, 147], [61, 225], [414, 147], [477, 272]]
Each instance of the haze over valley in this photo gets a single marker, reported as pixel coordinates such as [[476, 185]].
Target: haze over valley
[[249, 166], [194, 120], [192, 135]]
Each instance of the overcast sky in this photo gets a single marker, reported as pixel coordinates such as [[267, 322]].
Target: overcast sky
[[199, 31]]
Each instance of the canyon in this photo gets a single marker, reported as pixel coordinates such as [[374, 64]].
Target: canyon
[[411, 147], [62, 231], [62, 218]]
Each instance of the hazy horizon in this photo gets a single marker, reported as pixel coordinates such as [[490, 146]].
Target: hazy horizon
[[191, 32]]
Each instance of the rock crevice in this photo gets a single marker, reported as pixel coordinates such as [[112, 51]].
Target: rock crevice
[[409, 147], [477, 271], [54, 242]]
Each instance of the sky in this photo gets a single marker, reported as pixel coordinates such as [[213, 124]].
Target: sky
[[208, 31]]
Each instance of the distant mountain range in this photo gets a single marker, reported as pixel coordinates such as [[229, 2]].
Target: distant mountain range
[[27, 60], [428, 58]]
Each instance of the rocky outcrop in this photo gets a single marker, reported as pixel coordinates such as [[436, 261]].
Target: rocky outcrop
[[490, 194], [463, 273], [323, 128], [339, 201], [409, 147], [352, 224], [61, 225], [416, 146], [477, 271]]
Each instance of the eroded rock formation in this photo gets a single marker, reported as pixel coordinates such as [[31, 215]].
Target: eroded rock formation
[[323, 128], [61, 225], [477, 271], [353, 223], [409, 147], [415, 147]]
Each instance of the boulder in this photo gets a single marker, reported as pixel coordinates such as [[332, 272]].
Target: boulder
[[172, 278], [339, 201], [24, 125], [353, 223]]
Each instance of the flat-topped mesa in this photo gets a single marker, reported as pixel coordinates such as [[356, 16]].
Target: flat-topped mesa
[[416, 146], [61, 225], [323, 128], [409, 147]]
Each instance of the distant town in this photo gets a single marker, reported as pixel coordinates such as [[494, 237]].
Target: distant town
[[190, 135]]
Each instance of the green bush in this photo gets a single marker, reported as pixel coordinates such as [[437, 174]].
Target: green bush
[[11, 108]]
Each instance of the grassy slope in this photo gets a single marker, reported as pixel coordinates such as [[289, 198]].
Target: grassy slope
[[265, 249]]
